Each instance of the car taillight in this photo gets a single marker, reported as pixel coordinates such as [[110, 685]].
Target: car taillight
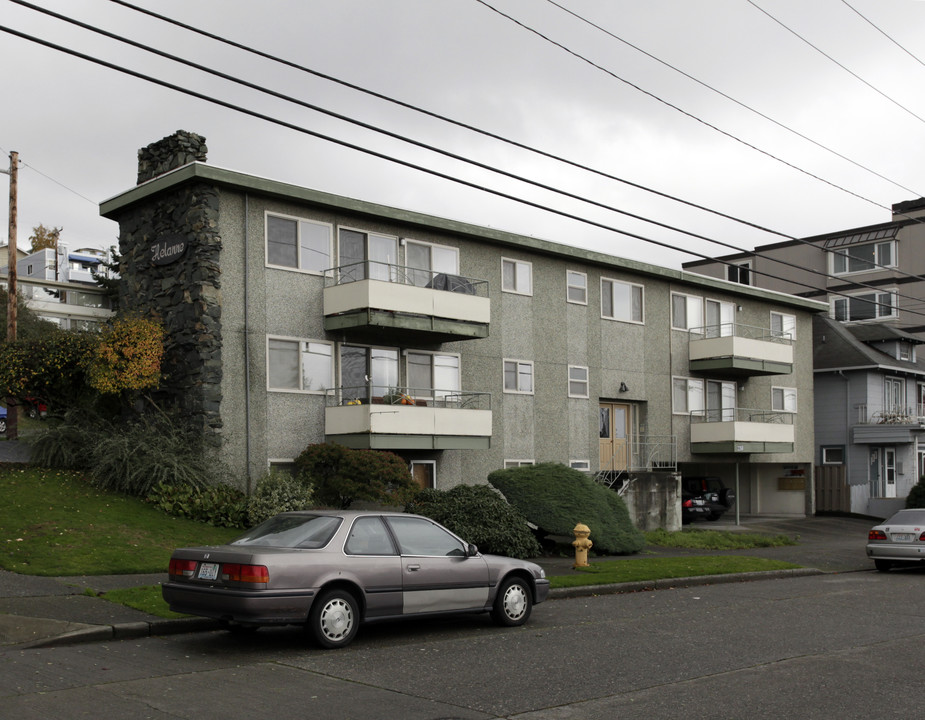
[[922, 537], [184, 568], [688, 503], [876, 535], [236, 572]]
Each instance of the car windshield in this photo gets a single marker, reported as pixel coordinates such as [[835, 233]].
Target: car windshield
[[292, 531], [907, 517]]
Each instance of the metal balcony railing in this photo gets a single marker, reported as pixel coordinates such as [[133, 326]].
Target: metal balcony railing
[[775, 417], [389, 272], [414, 397], [751, 332]]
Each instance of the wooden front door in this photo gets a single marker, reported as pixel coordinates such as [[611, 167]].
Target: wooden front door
[[614, 434]]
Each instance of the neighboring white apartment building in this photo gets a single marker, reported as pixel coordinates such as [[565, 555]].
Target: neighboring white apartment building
[[295, 317], [870, 378]]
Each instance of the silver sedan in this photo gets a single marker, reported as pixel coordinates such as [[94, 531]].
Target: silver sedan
[[899, 540], [331, 571]]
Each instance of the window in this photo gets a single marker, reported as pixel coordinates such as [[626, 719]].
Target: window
[[621, 301], [720, 317], [783, 326], [366, 255], [517, 463], [739, 273], [906, 351], [299, 365], [686, 311], [576, 287], [577, 381], [784, 399], [369, 536], [868, 306], [368, 368], [894, 395], [721, 401], [424, 473], [516, 276], [582, 465], [833, 455], [860, 258], [518, 376], [299, 244], [432, 374], [686, 395], [417, 536], [425, 260]]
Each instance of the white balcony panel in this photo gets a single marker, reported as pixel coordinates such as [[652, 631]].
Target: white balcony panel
[[731, 346], [712, 432], [400, 298], [406, 420]]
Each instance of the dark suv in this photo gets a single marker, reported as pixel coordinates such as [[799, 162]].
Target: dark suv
[[705, 497]]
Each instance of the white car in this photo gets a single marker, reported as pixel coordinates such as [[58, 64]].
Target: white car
[[899, 540]]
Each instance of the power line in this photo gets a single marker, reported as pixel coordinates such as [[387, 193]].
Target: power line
[[380, 155], [419, 144], [882, 32]]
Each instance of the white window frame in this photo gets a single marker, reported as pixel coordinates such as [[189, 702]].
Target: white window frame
[[440, 392], [841, 259], [408, 242], [523, 277], [689, 384], [735, 271], [786, 320], [299, 222], [824, 454], [727, 318], [578, 282], [576, 370], [518, 462], [302, 345], [518, 364], [780, 397], [373, 269], [879, 303], [433, 466], [580, 465], [690, 301], [627, 314], [891, 385]]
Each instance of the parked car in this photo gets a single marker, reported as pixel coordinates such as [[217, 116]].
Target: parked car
[[899, 540], [35, 408], [705, 497], [332, 571], [2, 420]]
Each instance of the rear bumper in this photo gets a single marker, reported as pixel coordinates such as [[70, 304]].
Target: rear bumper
[[260, 607], [884, 551]]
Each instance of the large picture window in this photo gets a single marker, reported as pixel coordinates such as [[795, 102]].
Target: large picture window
[[299, 365], [621, 301], [868, 306], [298, 244], [861, 258]]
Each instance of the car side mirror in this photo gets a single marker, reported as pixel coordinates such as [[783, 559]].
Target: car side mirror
[[471, 550]]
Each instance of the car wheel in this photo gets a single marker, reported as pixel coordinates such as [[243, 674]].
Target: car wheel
[[513, 603], [727, 497], [714, 516], [883, 565], [32, 413], [2, 425], [334, 619]]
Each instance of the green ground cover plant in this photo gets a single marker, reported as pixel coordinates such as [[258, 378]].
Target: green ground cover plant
[[53, 522], [147, 599], [716, 540]]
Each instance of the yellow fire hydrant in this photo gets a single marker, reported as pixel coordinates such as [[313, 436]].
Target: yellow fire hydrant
[[581, 545]]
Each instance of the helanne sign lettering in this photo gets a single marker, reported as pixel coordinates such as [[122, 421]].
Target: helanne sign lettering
[[168, 250]]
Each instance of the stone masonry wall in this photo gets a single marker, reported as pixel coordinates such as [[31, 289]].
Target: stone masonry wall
[[184, 293]]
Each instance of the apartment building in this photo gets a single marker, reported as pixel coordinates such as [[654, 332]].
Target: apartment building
[[295, 317], [873, 278]]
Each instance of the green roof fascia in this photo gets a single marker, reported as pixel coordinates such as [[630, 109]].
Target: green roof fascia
[[202, 172]]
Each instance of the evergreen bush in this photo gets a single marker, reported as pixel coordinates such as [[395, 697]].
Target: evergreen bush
[[556, 498], [278, 491], [219, 505], [479, 515], [916, 497]]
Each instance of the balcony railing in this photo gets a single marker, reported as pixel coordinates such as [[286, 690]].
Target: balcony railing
[[742, 350], [741, 430], [389, 272], [408, 397], [891, 416]]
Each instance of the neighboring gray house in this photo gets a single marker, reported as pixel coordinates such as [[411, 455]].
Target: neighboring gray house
[[295, 316], [870, 411], [874, 279]]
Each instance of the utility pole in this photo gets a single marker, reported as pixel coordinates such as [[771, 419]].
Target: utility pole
[[12, 412]]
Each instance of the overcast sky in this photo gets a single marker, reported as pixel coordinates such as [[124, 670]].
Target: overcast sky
[[799, 136]]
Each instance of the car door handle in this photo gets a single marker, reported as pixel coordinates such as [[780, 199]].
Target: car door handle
[[413, 568]]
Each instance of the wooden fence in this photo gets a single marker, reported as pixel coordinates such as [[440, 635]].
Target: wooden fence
[[832, 492]]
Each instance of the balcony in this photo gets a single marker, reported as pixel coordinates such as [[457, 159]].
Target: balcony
[[381, 302], [408, 419], [892, 426], [741, 431], [738, 350]]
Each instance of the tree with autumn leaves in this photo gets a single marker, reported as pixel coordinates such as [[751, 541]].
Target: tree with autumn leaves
[[70, 369]]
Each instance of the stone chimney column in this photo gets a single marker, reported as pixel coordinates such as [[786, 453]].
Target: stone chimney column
[[171, 152]]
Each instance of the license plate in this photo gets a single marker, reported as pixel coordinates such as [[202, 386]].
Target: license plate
[[901, 537], [208, 571]]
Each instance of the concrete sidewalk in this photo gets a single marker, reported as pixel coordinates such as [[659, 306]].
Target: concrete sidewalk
[[45, 612]]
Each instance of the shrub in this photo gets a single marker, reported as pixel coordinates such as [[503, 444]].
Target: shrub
[[478, 514], [277, 492], [916, 498], [342, 475], [219, 505], [556, 498]]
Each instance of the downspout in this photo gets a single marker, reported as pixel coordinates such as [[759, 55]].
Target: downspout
[[841, 374], [247, 363]]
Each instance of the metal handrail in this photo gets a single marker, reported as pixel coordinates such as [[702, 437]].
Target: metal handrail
[[774, 417], [413, 397], [403, 275], [752, 332]]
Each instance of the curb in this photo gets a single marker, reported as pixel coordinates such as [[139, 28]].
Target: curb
[[123, 631]]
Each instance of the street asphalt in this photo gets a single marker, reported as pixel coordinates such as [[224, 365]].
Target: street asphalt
[[49, 611]]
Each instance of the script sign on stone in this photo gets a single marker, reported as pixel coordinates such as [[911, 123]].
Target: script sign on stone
[[168, 249]]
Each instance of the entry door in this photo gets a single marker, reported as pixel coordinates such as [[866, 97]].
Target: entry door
[[614, 432], [889, 472]]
